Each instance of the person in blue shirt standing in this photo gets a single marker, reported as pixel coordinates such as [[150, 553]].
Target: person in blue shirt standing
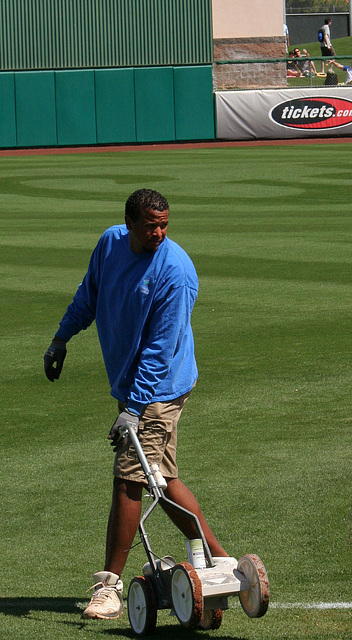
[[140, 288]]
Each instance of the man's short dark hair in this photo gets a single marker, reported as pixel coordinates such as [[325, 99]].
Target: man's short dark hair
[[144, 199], [327, 20]]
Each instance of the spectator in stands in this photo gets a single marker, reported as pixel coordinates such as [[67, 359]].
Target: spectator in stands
[[310, 62], [327, 50], [291, 67], [347, 68], [305, 66]]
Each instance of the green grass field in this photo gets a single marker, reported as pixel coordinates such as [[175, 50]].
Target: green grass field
[[265, 440]]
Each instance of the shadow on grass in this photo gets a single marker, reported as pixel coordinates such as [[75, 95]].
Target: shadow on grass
[[19, 607], [173, 633], [26, 608], [22, 607]]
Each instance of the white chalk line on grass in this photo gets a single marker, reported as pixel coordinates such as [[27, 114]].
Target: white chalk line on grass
[[311, 605], [320, 606]]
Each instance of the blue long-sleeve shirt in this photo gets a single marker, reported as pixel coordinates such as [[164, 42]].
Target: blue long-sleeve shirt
[[142, 304]]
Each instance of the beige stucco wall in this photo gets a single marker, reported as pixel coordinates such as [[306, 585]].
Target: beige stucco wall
[[247, 18], [244, 30]]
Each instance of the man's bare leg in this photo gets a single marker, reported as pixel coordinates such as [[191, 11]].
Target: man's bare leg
[[123, 523], [179, 493], [125, 516]]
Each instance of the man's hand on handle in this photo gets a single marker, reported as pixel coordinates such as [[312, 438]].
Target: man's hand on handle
[[118, 429]]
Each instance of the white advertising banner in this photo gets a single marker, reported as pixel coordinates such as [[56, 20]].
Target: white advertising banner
[[284, 113]]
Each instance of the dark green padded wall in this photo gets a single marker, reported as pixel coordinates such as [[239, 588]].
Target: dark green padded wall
[[154, 95], [8, 136], [194, 117], [115, 105], [35, 109], [75, 107], [106, 106]]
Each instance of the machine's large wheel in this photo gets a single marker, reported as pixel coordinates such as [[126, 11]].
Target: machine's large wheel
[[186, 595], [212, 619], [142, 606], [254, 600]]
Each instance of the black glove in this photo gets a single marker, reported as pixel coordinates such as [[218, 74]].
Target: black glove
[[118, 431], [55, 353]]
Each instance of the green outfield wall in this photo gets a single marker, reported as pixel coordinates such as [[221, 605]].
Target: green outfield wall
[[67, 34], [106, 106]]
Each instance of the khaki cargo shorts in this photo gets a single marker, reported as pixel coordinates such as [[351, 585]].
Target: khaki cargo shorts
[[157, 433]]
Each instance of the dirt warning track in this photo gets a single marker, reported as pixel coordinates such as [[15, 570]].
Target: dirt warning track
[[173, 146]]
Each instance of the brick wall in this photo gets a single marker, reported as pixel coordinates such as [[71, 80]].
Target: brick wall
[[249, 76]]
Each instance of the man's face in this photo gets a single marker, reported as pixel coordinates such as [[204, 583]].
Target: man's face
[[149, 231]]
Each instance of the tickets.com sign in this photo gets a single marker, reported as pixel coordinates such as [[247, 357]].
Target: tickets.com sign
[[313, 113]]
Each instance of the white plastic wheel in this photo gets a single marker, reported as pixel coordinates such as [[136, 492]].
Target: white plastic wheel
[[141, 605], [211, 619], [186, 594], [255, 600]]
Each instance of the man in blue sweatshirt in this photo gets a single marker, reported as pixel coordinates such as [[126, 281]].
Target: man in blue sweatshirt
[[140, 289]]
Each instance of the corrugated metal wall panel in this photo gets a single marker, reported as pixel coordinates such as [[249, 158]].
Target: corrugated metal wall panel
[[61, 34]]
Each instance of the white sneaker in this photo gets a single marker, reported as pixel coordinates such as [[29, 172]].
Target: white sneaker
[[106, 602]]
